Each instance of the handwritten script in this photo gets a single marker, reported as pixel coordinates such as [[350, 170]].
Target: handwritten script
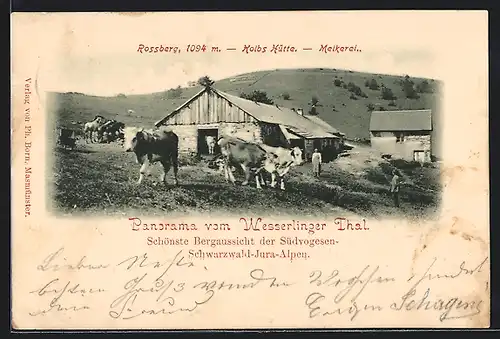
[[143, 286]]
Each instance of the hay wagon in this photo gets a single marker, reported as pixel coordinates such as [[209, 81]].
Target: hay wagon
[[66, 138]]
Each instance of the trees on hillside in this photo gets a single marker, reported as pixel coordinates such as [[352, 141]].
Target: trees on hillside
[[408, 88], [205, 81], [314, 103], [174, 93], [424, 87], [387, 94], [355, 89], [257, 96], [372, 84]]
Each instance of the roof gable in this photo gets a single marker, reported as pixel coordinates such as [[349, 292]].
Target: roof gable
[[408, 120], [187, 102]]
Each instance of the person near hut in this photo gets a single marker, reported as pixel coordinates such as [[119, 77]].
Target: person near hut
[[316, 162], [395, 185]]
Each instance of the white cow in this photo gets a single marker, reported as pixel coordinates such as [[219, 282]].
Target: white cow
[[279, 161], [90, 128], [211, 141]]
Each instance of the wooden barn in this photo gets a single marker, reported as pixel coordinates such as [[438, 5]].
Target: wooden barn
[[211, 112], [405, 134]]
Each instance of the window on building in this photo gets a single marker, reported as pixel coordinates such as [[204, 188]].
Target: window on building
[[419, 156], [399, 137]]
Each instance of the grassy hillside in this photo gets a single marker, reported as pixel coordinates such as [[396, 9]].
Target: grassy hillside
[[106, 185], [338, 105]]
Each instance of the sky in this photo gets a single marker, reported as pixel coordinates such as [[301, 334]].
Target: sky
[[96, 53]]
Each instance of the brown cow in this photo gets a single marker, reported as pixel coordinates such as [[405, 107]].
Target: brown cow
[[152, 146], [254, 158]]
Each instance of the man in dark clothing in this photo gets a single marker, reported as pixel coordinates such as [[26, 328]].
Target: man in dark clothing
[[395, 183]]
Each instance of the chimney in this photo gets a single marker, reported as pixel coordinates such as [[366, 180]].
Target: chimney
[[300, 111]]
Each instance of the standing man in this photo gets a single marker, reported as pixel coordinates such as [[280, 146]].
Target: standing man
[[395, 183], [316, 161]]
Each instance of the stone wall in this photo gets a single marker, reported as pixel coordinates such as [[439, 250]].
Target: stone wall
[[247, 131], [188, 137], [403, 149], [188, 134]]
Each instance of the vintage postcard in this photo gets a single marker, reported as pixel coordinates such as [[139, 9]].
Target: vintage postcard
[[243, 170]]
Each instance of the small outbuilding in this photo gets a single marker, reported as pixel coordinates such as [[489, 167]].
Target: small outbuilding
[[404, 134]]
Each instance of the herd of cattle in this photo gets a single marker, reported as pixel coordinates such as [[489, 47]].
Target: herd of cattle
[[103, 130], [162, 145]]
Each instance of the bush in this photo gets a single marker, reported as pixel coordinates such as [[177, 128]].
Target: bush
[[424, 87], [387, 94], [121, 95], [352, 87], [174, 93], [353, 97], [205, 81], [285, 96], [377, 176], [408, 88], [370, 107], [406, 166], [337, 82], [373, 85], [258, 96], [313, 111], [386, 168]]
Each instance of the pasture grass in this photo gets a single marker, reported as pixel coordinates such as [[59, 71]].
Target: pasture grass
[[100, 179]]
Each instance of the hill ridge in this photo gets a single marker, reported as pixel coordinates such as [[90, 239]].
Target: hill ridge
[[345, 98]]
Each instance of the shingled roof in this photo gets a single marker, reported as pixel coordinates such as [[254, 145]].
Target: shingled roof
[[286, 117], [408, 120], [329, 128]]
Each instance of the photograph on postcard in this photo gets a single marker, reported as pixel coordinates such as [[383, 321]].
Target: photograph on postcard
[[250, 170], [302, 141]]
